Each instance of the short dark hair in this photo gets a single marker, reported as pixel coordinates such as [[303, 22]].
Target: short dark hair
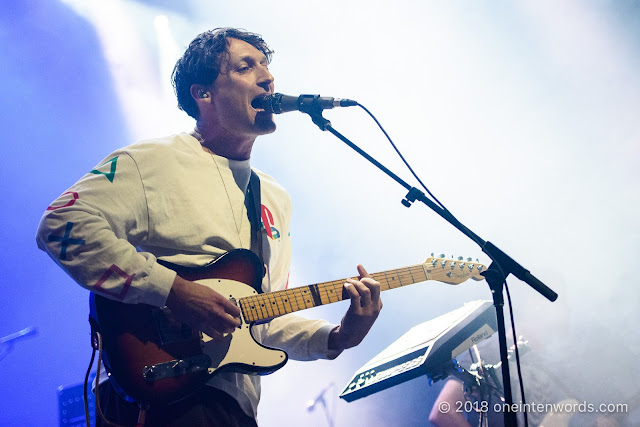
[[201, 62]]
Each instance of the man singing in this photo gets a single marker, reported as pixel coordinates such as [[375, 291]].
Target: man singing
[[184, 199]]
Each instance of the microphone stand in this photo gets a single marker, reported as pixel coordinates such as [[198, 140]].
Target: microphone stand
[[320, 399], [6, 342], [502, 264]]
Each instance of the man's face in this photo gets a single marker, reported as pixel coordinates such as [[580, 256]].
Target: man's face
[[244, 75]]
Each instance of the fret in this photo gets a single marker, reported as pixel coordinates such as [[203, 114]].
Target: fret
[[397, 278], [283, 299], [264, 298], [288, 299], [315, 294], [259, 306], [295, 299], [324, 294], [246, 314], [273, 303], [299, 298], [336, 291], [338, 287], [306, 297], [412, 278], [252, 308], [327, 292], [390, 279], [419, 273], [399, 281], [386, 279]]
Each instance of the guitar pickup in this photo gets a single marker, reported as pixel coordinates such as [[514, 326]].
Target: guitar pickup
[[175, 368]]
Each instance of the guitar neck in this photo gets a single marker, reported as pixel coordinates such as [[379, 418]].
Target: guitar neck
[[263, 307]]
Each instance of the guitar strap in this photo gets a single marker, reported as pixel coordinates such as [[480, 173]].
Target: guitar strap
[[254, 210]]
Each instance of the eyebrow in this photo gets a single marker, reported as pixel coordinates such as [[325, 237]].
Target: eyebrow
[[249, 58]]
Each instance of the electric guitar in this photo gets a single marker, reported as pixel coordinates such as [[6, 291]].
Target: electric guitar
[[154, 358]]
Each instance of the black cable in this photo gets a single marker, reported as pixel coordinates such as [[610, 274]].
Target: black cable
[[402, 157], [515, 345], [98, 343], [86, 387], [517, 353], [447, 214]]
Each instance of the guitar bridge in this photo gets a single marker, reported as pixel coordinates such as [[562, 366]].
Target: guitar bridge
[[175, 368]]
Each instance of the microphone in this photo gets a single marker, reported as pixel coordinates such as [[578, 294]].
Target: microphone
[[319, 399], [18, 335], [279, 103]]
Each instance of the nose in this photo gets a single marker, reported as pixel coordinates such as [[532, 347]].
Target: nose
[[265, 80]]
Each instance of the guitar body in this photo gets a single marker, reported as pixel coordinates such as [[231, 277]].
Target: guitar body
[[154, 358]]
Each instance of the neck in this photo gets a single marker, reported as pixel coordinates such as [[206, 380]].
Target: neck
[[223, 144]]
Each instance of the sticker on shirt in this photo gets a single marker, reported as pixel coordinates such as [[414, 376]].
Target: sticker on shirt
[[65, 241], [112, 169], [74, 196], [268, 224], [107, 275]]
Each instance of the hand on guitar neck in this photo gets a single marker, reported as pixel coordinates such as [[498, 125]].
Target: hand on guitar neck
[[202, 308], [363, 311]]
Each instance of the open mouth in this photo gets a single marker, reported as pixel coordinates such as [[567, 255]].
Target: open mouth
[[261, 103]]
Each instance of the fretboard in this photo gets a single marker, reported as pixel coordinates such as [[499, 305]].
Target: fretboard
[[262, 307]]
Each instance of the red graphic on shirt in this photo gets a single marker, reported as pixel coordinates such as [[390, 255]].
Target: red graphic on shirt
[[74, 196], [267, 220], [107, 274]]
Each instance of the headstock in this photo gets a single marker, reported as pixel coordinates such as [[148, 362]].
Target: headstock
[[452, 272]]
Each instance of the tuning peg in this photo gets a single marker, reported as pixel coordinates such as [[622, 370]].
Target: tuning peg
[[441, 256], [469, 259], [432, 254], [460, 258]]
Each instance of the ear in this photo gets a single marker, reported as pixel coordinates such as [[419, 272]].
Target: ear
[[199, 92]]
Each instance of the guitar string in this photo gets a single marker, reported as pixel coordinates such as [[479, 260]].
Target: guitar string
[[332, 287], [279, 299], [276, 301]]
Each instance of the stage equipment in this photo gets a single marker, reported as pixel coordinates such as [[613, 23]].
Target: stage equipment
[[426, 349]]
